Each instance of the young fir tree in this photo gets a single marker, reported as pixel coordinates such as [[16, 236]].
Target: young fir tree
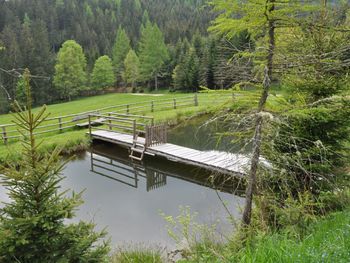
[[152, 53], [120, 50], [70, 74], [131, 69], [33, 224], [102, 75]]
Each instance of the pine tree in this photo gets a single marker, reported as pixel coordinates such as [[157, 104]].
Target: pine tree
[[131, 69], [152, 52], [102, 75], [21, 91], [70, 75], [33, 225], [120, 50], [186, 73]]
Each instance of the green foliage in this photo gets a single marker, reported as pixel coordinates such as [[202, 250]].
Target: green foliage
[[120, 50], [137, 254], [33, 224], [187, 233], [21, 91], [328, 240], [70, 75], [186, 73], [102, 75], [131, 72], [152, 52], [264, 21], [254, 15], [310, 146], [318, 51]]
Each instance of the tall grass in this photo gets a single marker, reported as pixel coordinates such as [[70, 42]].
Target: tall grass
[[328, 240]]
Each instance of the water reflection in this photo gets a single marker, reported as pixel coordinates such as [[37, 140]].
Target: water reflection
[[125, 172], [113, 163]]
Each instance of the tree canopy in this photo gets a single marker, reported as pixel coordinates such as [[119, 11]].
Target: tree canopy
[[131, 68], [152, 52], [103, 75], [70, 74], [120, 50]]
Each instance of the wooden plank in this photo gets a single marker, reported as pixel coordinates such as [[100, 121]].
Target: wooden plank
[[180, 152], [166, 147]]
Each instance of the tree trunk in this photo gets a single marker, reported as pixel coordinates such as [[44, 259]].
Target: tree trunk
[[251, 188], [156, 82]]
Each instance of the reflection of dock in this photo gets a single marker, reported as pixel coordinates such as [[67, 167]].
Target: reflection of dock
[[142, 138], [121, 169], [126, 172]]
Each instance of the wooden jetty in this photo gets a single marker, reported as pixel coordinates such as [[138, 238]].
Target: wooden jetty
[[140, 135]]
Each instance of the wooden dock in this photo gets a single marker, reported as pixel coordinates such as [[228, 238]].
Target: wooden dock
[[215, 161]]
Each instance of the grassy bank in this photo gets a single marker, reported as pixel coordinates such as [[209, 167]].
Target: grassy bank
[[75, 139], [328, 240]]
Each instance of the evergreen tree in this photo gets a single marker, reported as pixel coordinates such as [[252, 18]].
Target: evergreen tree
[[21, 97], [70, 75], [120, 50], [186, 73], [131, 72], [208, 63], [102, 75], [33, 225], [152, 52]]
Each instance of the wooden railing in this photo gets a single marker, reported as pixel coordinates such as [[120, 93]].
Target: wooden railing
[[135, 125], [156, 135], [120, 123], [63, 123]]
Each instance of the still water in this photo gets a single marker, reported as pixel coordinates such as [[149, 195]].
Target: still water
[[126, 197]]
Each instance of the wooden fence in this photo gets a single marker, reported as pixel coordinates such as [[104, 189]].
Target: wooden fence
[[63, 123]]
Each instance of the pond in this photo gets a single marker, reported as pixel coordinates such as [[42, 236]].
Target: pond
[[127, 197]]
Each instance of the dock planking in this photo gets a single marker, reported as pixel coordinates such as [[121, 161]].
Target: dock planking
[[223, 162]]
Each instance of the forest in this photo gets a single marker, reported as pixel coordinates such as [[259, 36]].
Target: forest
[[33, 34]]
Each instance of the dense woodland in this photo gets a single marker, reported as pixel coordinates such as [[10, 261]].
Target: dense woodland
[[33, 32]]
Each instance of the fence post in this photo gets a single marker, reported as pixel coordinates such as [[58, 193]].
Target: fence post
[[90, 126], [152, 106], [146, 136], [134, 129], [127, 109], [60, 124], [4, 135], [110, 121], [174, 103], [195, 100]]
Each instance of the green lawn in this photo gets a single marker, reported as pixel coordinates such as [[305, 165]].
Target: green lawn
[[75, 139], [97, 102]]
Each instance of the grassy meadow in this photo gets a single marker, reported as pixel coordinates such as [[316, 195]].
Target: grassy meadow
[[75, 139]]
